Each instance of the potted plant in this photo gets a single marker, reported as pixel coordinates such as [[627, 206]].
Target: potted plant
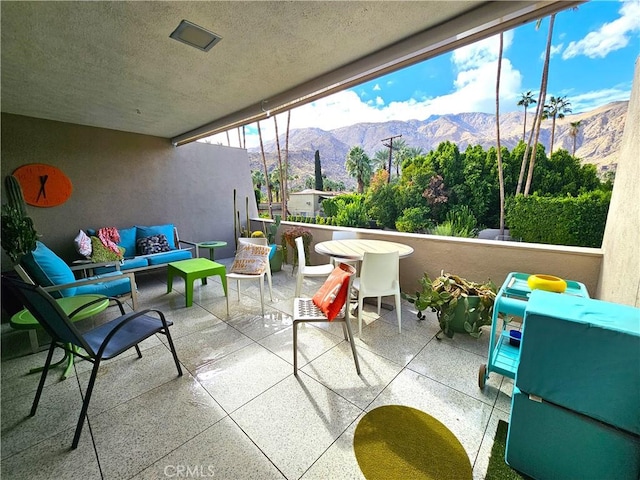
[[289, 241], [18, 232], [460, 305]]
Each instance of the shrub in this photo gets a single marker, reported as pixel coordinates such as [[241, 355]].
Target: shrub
[[577, 221], [414, 219], [460, 222], [352, 214]]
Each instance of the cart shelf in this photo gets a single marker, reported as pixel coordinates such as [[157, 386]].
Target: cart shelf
[[512, 299]]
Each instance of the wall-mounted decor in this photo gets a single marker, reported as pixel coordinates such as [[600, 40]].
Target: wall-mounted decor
[[43, 185]]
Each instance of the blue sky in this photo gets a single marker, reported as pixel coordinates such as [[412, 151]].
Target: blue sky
[[594, 50]]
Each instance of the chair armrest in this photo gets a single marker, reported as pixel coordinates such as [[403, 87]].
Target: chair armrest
[[91, 266], [130, 276]]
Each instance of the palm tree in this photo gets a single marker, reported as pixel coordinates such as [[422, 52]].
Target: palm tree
[[556, 108], [541, 102], [266, 172], [285, 185], [358, 165], [380, 159], [526, 99], [575, 128], [499, 148], [257, 177]]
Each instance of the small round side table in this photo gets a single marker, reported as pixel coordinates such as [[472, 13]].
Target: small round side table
[[211, 246]]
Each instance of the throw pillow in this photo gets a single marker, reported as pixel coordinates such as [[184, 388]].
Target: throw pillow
[[166, 230], [83, 244], [251, 259], [101, 254], [333, 293], [152, 244]]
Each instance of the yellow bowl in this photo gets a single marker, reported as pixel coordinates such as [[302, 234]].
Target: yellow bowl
[[548, 283]]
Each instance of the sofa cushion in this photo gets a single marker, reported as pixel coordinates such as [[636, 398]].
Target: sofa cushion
[[82, 243], [102, 254], [166, 257], [152, 244], [166, 230], [48, 269], [128, 241], [111, 288]]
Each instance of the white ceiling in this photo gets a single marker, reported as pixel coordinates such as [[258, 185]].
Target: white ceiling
[[113, 65]]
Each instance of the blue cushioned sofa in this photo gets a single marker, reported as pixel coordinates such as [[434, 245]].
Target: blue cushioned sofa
[[134, 262]]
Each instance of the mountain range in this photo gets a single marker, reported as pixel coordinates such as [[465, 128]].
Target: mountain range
[[598, 140]]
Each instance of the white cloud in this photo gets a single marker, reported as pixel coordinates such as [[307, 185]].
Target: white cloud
[[610, 37], [479, 53], [590, 100], [473, 90], [376, 87], [555, 50]]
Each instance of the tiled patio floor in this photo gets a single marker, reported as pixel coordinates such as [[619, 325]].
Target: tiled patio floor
[[238, 412]]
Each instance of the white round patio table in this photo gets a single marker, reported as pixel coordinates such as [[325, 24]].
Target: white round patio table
[[355, 248]]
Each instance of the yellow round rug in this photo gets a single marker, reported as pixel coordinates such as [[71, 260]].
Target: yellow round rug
[[398, 442]]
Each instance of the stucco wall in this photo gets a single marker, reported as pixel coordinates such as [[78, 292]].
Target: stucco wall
[[123, 179], [620, 276]]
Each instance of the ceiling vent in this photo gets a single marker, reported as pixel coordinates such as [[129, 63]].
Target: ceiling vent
[[196, 36]]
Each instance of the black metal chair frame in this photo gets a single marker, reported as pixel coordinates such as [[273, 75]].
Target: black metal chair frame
[[133, 327]]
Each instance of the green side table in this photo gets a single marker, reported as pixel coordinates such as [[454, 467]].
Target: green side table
[[193, 269], [211, 246], [23, 320]]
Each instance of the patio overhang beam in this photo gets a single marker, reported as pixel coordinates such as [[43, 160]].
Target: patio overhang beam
[[488, 19]]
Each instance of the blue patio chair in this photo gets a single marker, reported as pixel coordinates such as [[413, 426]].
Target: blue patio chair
[[43, 267], [100, 343]]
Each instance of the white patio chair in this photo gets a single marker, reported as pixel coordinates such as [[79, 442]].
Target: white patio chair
[[305, 270], [379, 277], [344, 235], [304, 310], [238, 277]]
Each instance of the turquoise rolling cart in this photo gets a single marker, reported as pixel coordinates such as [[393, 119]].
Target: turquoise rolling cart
[[511, 299]]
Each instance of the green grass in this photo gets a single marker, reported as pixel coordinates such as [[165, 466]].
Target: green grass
[[498, 468]]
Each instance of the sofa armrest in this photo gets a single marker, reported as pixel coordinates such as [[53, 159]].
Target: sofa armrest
[[187, 242]]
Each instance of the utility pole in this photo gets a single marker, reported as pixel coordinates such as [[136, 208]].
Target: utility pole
[[390, 147]]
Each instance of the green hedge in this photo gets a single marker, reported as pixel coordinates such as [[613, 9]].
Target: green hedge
[[577, 221]]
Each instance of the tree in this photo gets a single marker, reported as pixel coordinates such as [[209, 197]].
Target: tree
[[358, 165], [556, 108], [541, 102], [257, 177], [285, 185], [266, 172], [499, 149], [379, 161], [573, 132], [318, 172], [526, 99]]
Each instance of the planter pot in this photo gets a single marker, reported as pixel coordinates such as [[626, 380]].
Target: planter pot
[[457, 324], [275, 260]]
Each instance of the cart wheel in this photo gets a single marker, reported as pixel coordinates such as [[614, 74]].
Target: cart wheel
[[482, 375]]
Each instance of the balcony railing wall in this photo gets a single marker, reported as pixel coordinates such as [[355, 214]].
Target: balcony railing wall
[[473, 259]]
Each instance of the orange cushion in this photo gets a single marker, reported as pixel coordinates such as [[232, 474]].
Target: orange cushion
[[333, 294]]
